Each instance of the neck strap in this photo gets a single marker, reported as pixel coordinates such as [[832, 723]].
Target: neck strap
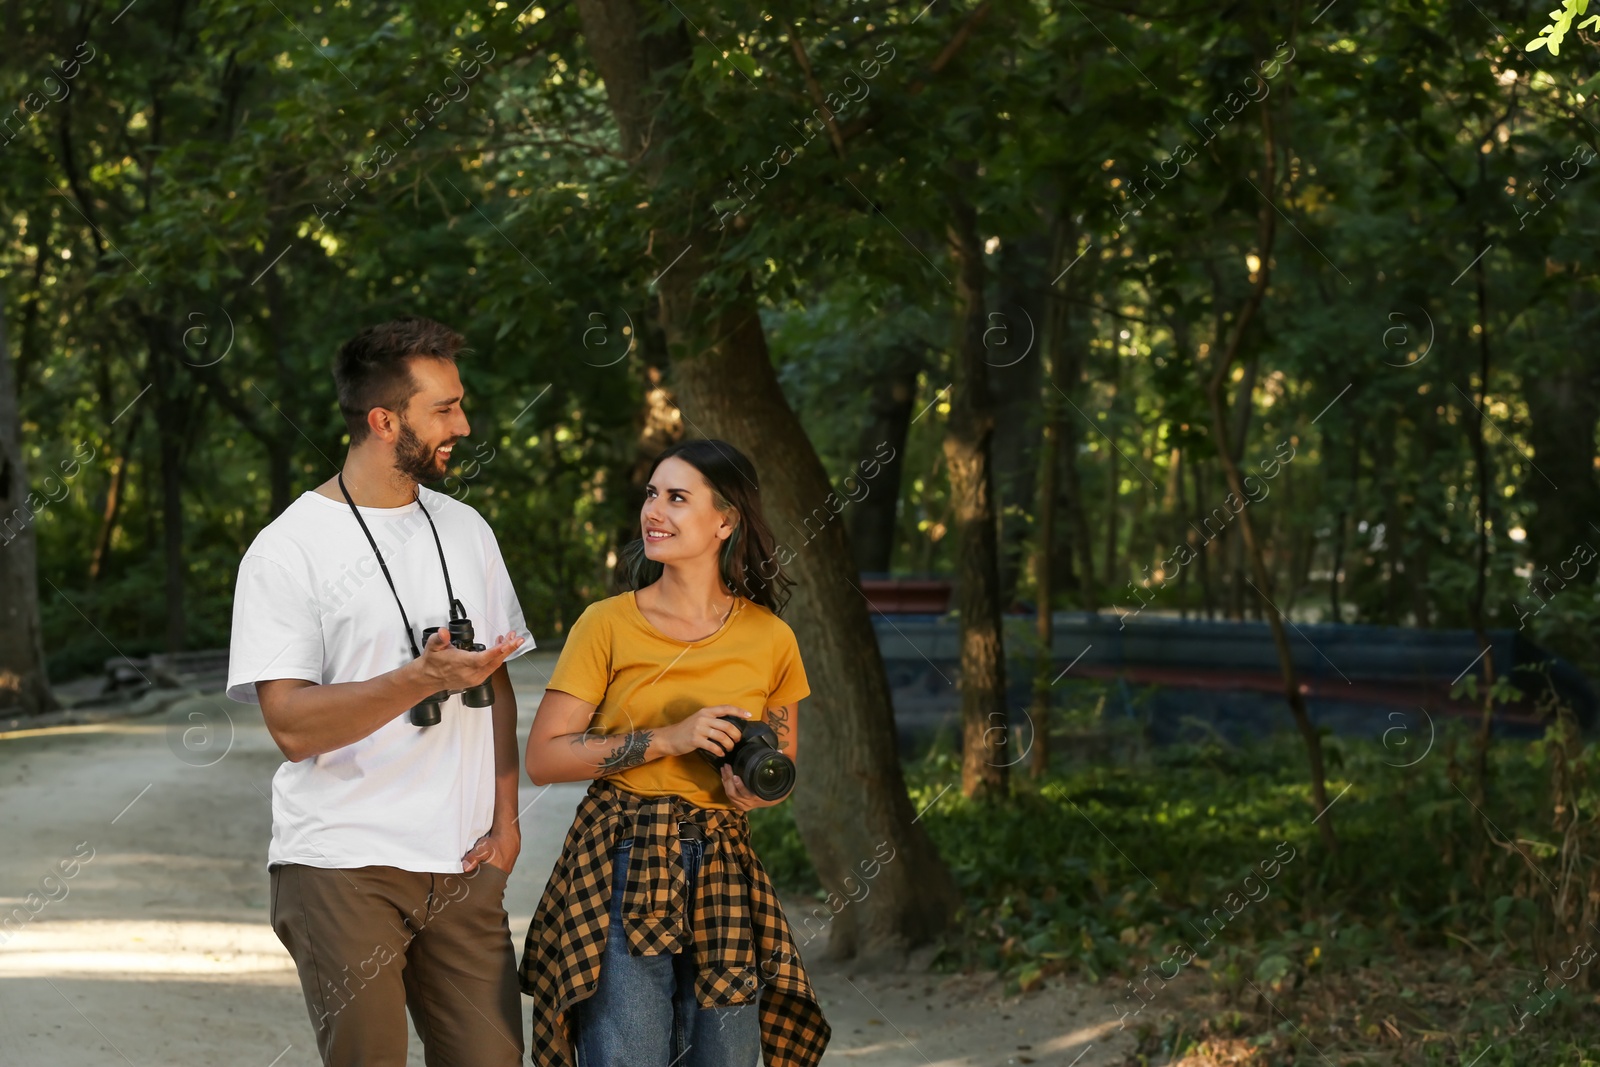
[[456, 611]]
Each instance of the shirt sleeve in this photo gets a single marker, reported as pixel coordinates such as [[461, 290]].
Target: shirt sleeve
[[584, 667], [503, 613], [277, 629], [789, 685]]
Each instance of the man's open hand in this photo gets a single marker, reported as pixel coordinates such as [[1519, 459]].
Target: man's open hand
[[447, 667]]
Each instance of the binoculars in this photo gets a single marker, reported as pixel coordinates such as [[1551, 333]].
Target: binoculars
[[429, 711]]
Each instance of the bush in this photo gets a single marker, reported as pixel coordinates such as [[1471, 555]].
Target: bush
[[1103, 870]]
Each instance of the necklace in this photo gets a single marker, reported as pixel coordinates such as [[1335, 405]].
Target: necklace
[[723, 621]]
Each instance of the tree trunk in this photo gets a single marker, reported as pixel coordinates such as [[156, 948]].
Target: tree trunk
[[1208, 583], [24, 686], [1044, 622], [1217, 402], [1393, 539], [852, 798], [1012, 351], [1347, 500], [280, 450], [1054, 390], [1075, 504], [1181, 460], [171, 418], [29, 348], [1241, 602], [1074, 352], [1109, 581], [969, 435], [1485, 472], [114, 494], [1563, 408], [873, 527]]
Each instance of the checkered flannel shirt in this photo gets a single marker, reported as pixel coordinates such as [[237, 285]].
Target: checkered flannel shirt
[[733, 920]]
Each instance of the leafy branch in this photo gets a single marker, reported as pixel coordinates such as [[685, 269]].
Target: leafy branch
[[1561, 24]]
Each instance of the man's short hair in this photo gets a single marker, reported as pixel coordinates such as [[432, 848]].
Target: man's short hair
[[371, 370]]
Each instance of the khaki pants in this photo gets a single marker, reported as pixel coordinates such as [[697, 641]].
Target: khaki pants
[[370, 942]]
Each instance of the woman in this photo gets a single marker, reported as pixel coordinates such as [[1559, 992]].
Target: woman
[[659, 940]]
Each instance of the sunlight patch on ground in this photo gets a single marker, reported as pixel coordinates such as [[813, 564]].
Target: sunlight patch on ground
[[919, 1040], [82, 728], [1080, 1036], [147, 951]]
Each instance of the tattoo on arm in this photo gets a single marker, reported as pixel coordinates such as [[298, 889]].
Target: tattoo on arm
[[778, 719], [627, 752]]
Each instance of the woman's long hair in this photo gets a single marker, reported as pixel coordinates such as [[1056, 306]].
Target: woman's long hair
[[748, 559]]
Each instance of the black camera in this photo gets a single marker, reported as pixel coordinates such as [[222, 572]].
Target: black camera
[[757, 759], [430, 710]]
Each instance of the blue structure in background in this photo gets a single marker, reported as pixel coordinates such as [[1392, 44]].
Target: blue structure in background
[[1198, 677]]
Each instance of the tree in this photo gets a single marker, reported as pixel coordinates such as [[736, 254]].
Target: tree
[[853, 799], [24, 688], [967, 451]]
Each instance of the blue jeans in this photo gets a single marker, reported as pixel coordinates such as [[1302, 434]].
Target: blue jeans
[[643, 1012]]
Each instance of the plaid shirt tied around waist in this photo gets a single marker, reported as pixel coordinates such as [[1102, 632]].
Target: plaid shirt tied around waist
[[734, 927]]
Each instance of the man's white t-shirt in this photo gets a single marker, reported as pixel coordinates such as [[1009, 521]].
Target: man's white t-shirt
[[311, 602]]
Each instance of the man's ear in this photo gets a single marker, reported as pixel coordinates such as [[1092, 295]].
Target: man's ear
[[383, 423]]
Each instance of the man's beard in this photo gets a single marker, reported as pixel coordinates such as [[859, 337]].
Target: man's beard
[[414, 459]]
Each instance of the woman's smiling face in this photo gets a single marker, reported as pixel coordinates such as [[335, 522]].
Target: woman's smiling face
[[680, 519]]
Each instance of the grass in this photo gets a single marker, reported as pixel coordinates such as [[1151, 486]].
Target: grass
[[1202, 863]]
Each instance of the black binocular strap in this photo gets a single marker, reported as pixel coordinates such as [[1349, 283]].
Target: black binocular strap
[[454, 605]]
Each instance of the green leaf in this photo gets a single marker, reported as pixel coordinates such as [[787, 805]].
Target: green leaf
[[1272, 969]]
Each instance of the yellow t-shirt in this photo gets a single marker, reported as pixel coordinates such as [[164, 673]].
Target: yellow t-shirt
[[641, 679]]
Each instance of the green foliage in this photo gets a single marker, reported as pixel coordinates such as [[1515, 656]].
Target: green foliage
[[1104, 870], [1560, 25], [1425, 914], [227, 194], [223, 198]]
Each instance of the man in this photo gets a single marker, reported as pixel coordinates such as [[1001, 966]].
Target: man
[[391, 841]]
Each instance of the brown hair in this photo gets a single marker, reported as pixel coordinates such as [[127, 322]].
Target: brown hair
[[371, 371], [748, 553]]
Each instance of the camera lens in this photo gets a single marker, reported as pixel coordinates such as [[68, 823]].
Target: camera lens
[[757, 759], [773, 777]]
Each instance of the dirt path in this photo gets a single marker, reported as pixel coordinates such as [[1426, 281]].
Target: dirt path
[[155, 950]]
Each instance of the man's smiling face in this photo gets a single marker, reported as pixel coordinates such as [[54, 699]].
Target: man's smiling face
[[432, 421]]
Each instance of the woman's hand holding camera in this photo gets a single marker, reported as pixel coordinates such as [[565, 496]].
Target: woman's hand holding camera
[[446, 667], [706, 730], [703, 730], [740, 795]]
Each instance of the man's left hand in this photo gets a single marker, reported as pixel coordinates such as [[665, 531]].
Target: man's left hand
[[498, 848]]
